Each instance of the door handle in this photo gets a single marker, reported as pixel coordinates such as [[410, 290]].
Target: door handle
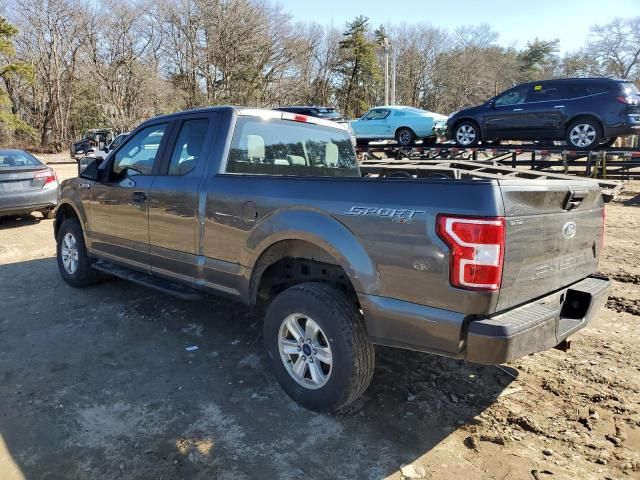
[[558, 106], [517, 109], [138, 198]]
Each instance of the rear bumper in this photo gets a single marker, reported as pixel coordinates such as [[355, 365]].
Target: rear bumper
[[29, 201], [536, 326], [530, 328], [630, 127]]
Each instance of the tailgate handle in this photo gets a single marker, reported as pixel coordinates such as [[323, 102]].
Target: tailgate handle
[[574, 198]]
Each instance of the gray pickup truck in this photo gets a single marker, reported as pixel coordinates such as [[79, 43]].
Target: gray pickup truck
[[271, 208]]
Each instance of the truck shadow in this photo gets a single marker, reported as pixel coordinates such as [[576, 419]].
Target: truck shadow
[[104, 387]]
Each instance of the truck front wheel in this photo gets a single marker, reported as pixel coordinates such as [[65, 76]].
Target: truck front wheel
[[73, 263], [317, 346]]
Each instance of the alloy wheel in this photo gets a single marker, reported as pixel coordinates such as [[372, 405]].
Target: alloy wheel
[[582, 135], [404, 138], [305, 351], [69, 253], [466, 134]]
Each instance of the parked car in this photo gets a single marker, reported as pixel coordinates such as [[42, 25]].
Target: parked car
[[26, 185], [95, 138], [585, 112], [404, 124], [328, 113], [270, 208], [102, 153]]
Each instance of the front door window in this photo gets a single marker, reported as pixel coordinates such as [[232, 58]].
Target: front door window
[[139, 154], [514, 96]]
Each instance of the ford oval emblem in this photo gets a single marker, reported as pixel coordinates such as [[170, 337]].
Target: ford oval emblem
[[569, 230]]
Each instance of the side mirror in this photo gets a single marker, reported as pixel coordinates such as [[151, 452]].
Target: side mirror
[[106, 149], [88, 168], [492, 103]]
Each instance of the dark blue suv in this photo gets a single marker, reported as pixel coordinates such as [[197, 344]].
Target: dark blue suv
[[585, 112]]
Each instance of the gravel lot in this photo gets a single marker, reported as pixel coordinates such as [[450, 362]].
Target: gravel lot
[[96, 383]]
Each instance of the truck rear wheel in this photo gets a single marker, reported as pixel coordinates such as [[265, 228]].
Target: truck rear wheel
[[317, 347]]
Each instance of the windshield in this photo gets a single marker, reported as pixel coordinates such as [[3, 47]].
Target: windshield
[[14, 158], [630, 89]]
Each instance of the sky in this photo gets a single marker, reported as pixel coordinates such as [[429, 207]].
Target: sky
[[516, 21]]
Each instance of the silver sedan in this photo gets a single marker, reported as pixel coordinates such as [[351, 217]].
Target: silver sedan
[[26, 185]]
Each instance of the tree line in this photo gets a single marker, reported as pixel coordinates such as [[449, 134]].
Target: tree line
[[69, 65]]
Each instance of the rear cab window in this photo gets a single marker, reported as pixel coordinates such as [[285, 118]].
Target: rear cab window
[[284, 147]]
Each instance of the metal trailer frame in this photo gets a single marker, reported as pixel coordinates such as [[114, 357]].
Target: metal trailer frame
[[612, 162], [466, 169]]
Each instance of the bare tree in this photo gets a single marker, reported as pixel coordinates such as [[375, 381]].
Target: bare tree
[[52, 34], [121, 62], [616, 46]]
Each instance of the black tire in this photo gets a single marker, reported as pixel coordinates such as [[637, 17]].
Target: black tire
[[343, 326], [83, 275], [591, 127], [607, 142], [48, 214], [472, 129], [405, 137]]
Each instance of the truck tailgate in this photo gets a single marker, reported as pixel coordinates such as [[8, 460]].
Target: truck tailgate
[[553, 237]]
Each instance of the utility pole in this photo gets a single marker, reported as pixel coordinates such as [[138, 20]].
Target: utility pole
[[393, 80], [386, 44]]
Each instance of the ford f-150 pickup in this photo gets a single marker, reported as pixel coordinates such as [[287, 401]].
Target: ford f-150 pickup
[[271, 209]]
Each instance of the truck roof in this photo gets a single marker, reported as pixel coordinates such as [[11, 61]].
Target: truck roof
[[256, 112]]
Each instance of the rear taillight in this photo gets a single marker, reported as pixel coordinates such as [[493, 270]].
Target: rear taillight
[[477, 250], [47, 176], [628, 100]]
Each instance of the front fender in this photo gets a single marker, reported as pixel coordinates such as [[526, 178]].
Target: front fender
[[321, 230], [71, 198]]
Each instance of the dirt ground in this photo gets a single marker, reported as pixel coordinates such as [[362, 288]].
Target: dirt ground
[[96, 383]]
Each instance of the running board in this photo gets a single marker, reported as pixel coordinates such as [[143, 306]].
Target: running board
[[166, 286]]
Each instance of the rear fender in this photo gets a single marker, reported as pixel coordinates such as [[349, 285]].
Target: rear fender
[[322, 231]]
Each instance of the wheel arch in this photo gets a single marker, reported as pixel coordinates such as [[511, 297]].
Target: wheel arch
[[64, 211], [395, 133], [322, 241], [586, 115]]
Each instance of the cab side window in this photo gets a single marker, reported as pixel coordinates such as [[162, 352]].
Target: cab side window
[[513, 97], [140, 153], [377, 114], [547, 93], [188, 146]]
